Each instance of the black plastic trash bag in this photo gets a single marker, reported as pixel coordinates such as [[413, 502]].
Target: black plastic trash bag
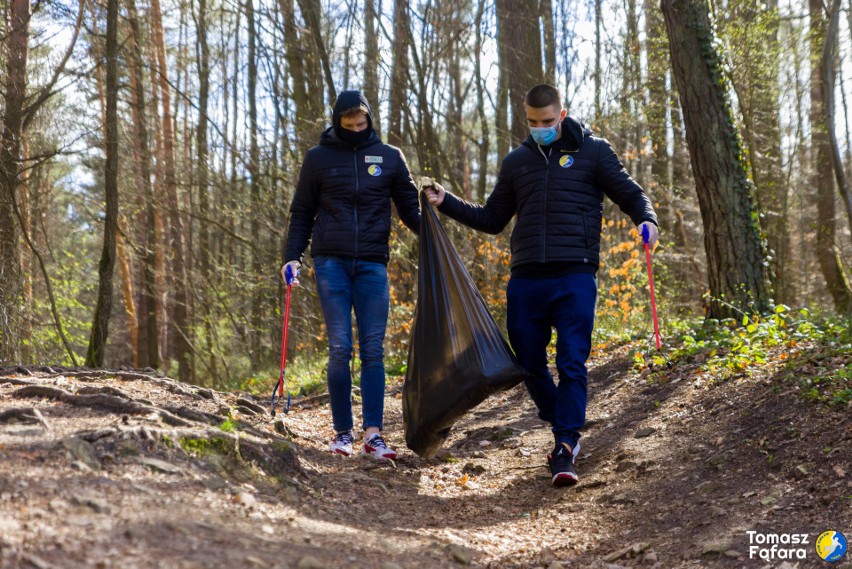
[[457, 356]]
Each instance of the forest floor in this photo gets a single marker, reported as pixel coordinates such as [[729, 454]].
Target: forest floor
[[125, 469]]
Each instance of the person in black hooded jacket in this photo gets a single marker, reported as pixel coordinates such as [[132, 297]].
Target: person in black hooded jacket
[[342, 207], [554, 182]]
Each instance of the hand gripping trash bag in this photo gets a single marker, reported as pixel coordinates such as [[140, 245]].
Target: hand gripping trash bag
[[457, 356]]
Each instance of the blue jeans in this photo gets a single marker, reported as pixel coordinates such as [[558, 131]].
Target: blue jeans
[[344, 283], [535, 306]]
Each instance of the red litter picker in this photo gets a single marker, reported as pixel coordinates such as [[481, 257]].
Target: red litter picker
[[645, 238], [282, 384]]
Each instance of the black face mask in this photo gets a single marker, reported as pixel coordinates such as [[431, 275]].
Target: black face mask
[[352, 137]]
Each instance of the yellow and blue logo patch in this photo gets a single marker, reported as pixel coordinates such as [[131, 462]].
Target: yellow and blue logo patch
[[566, 161], [374, 170], [831, 546]]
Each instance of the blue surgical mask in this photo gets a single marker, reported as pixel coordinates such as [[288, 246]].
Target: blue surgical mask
[[544, 135]]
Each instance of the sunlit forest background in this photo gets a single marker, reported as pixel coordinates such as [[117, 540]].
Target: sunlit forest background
[[175, 129]]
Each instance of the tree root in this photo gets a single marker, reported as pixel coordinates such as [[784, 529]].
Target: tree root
[[193, 415], [98, 401], [106, 390], [14, 381], [29, 415]]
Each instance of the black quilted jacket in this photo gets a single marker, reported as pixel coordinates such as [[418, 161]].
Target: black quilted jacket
[[557, 193], [342, 203]]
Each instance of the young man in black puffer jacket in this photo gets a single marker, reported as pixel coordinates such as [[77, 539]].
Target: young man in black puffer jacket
[[342, 206], [554, 182]]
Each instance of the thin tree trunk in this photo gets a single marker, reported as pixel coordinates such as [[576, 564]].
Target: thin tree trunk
[[736, 271], [546, 15], [256, 203], [598, 48], [371, 60], [127, 291], [26, 268], [179, 331], [203, 166], [399, 78], [103, 307], [501, 113], [231, 256], [460, 174], [484, 142]]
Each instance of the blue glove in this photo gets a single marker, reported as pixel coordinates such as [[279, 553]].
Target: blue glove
[[649, 233], [290, 273]]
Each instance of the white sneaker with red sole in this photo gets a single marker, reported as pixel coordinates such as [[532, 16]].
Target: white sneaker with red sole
[[342, 443], [376, 447]]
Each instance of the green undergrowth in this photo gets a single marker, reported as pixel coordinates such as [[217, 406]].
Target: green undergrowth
[[814, 352], [305, 377]]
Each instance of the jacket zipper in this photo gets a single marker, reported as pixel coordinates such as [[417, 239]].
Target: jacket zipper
[[355, 161], [546, 184]]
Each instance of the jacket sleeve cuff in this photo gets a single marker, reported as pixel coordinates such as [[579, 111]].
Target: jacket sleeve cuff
[[449, 204]]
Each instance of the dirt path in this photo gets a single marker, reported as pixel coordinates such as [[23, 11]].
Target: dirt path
[[122, 470]]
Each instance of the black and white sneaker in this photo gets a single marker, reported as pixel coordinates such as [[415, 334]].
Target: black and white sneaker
[[342, 443], [561, 462]]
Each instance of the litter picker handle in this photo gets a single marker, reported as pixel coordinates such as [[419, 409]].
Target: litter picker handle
[[645, 237], [280, 386]]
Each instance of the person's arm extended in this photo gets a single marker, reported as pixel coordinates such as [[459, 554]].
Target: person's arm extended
[[303, 210], [617, 184], [490, 218]]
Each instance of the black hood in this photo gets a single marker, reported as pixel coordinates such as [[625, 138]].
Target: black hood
[[345, 101]]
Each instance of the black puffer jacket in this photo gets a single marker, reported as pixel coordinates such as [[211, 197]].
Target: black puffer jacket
[[557, 192], [342, 203]]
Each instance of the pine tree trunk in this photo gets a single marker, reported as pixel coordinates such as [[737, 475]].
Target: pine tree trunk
[[179, 347], [736, 272], [127, 291], [103, 307], [149, 353], [17, 48]]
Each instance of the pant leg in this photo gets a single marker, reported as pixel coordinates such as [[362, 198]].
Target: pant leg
[[371, 300], [528, 322], [573, 317], [334, 286]]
